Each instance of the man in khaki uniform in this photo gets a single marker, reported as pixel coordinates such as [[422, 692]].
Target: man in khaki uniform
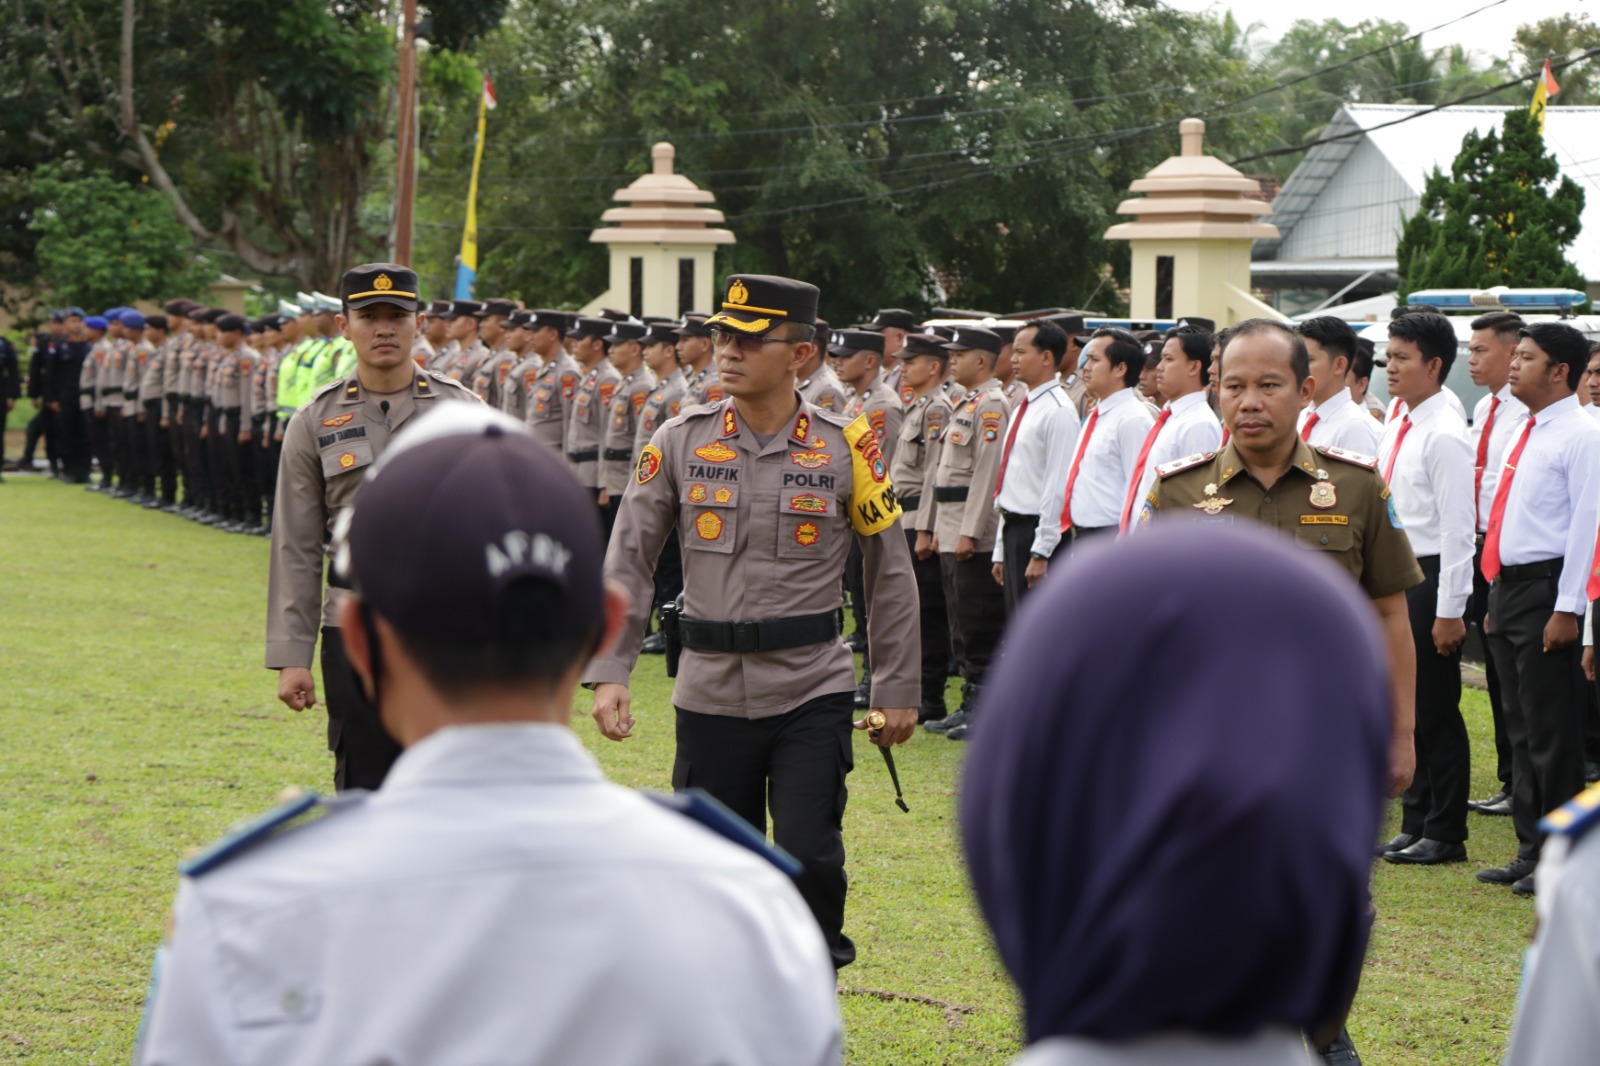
[[494, 329], [465, 348], [1331, 501], [760, 485], [634, 385], [526, 362], [548, 393], [694, 352], [857, 355], [925, 361], [155, 422], [963, 522], [328, 447], [586, 422], [435, 333], [229, 427], [818, 384]]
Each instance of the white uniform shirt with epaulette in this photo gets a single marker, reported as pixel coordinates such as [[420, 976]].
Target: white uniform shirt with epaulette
[[327, 448], [455, 918], [1558, 1007]]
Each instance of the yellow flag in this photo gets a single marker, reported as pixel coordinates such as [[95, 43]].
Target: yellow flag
[[1545, 88]]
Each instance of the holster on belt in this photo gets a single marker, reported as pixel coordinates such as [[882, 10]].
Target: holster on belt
[[671, 634]]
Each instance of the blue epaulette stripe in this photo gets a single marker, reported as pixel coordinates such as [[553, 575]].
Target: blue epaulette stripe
[[248, 835]]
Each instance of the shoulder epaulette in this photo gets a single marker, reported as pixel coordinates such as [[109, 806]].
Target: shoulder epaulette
[[1188, 462], [1574, 817], [323, 390], [246, 836], [699, 806], [1353, 458], [835, 418]]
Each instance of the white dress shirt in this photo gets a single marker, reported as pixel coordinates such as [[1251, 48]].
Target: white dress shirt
[[1432, 486], [1109, 455], [1035, 475], [1551, 509], [1192, 428], [1509, 414], [1397, 406], [1341, 423], [476, 909]]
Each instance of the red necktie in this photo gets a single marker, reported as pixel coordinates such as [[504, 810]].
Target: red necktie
[[1394, 408], [1491, 539], [1077, 461], [1005, 454], [1305, 430], [1138, 468], [1400, 438], [1483, 459], [1226, 433]]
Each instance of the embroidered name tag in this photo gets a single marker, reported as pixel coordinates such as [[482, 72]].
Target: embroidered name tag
[[1324, 520]]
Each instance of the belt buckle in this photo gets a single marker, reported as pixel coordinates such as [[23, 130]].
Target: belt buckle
[[745, 636]]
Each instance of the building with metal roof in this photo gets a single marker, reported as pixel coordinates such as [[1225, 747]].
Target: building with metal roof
[[1340, 213]]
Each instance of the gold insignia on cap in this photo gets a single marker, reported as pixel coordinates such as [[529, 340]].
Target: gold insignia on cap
[[382, 283], [737, 293]]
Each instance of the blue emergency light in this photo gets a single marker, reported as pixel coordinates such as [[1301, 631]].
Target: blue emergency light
[[1561, 300]]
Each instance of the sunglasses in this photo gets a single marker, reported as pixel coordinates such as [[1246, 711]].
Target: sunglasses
[[721, 338]]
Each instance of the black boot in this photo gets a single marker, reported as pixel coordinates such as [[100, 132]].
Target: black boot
[[969, 704], [864, 690], [959, 718], [932, 708]]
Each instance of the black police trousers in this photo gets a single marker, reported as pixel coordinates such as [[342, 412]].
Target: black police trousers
[[1017, 537], [934, 620], [1477, 609], [1435, 806], [796, 763], [362, 749], [977, 606], [1544, 699]]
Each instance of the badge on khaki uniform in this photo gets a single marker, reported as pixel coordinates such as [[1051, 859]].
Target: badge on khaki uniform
[[708, 525], [1212, 504], [1323, 496], [649, 463]]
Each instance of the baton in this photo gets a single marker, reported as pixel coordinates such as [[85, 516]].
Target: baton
[[875, 723]]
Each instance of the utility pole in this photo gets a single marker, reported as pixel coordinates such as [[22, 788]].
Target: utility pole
[[405, 194]]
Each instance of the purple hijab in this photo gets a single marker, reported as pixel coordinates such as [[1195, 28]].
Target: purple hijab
[[1174, 786]]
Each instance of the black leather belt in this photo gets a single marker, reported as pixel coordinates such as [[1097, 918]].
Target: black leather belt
[[1531, 571], [769, 634], [1016, 516], [588, 456], [109, 391], [618, 455], [954, 494], [910, 503]]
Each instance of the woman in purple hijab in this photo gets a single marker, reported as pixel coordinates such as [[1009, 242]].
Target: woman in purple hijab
[[1170, 805]]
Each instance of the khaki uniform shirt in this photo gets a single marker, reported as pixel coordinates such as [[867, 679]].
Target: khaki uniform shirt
[[824, 389], [135, 362], [920, 431], [622, 421], [152, 382], [327, 449], [586, 425], [1331, 501], [445, 356], [489, 377], [662, 404], [200, 372], [514, 394], [423, 352], [744, 512], [1014, 392], [464, 362], [969, 459], [89, 377], [113, 373], [880, 405], [705, 386], [548, 399]]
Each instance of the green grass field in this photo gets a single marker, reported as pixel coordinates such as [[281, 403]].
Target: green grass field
[[138, 723]]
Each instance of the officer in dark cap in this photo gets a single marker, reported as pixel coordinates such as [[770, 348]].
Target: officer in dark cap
[[763, 486], [625, 351], [591, 400], [436, 332], [548, 391], [464, 349], [694, 352], [489, 374], [327, 448], [817, 382]]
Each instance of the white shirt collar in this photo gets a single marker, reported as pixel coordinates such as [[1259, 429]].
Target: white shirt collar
[[1185, 403], [1034, 394], [1331, 406], [1427, 408], [1116, 400], [526, 752]]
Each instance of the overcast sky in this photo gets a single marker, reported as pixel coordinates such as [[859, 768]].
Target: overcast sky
[[1486, 34]]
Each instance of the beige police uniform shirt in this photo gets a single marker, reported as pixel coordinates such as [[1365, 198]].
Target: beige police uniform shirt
[[232, 379], [704, 386], [924, 423], [514, 394], [327, 448], [111, 374], [824, 389], [586, 423], [133, 368], [622, 421], [152, 378], [880, 405], [662, 404], [969, 459], [489, 378], [746, 511], [549, 394]]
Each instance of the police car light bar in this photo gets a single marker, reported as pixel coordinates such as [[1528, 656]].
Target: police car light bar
[[1499, 297]]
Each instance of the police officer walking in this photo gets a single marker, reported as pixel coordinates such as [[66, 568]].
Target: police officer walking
[[757, 485], [329, 444]]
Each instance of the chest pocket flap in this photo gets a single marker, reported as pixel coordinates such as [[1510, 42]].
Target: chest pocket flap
[[1326, 538], [345, 456]]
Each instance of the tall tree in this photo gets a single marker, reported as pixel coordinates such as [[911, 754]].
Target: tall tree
[[261, 123], [1562, 36], [1502, 216]]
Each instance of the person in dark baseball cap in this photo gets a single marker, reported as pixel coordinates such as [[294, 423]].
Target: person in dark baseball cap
[[229, 323], [590, 327], [756, 304], [693, 325], [848, 341], [375, 283], [966, 338]]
